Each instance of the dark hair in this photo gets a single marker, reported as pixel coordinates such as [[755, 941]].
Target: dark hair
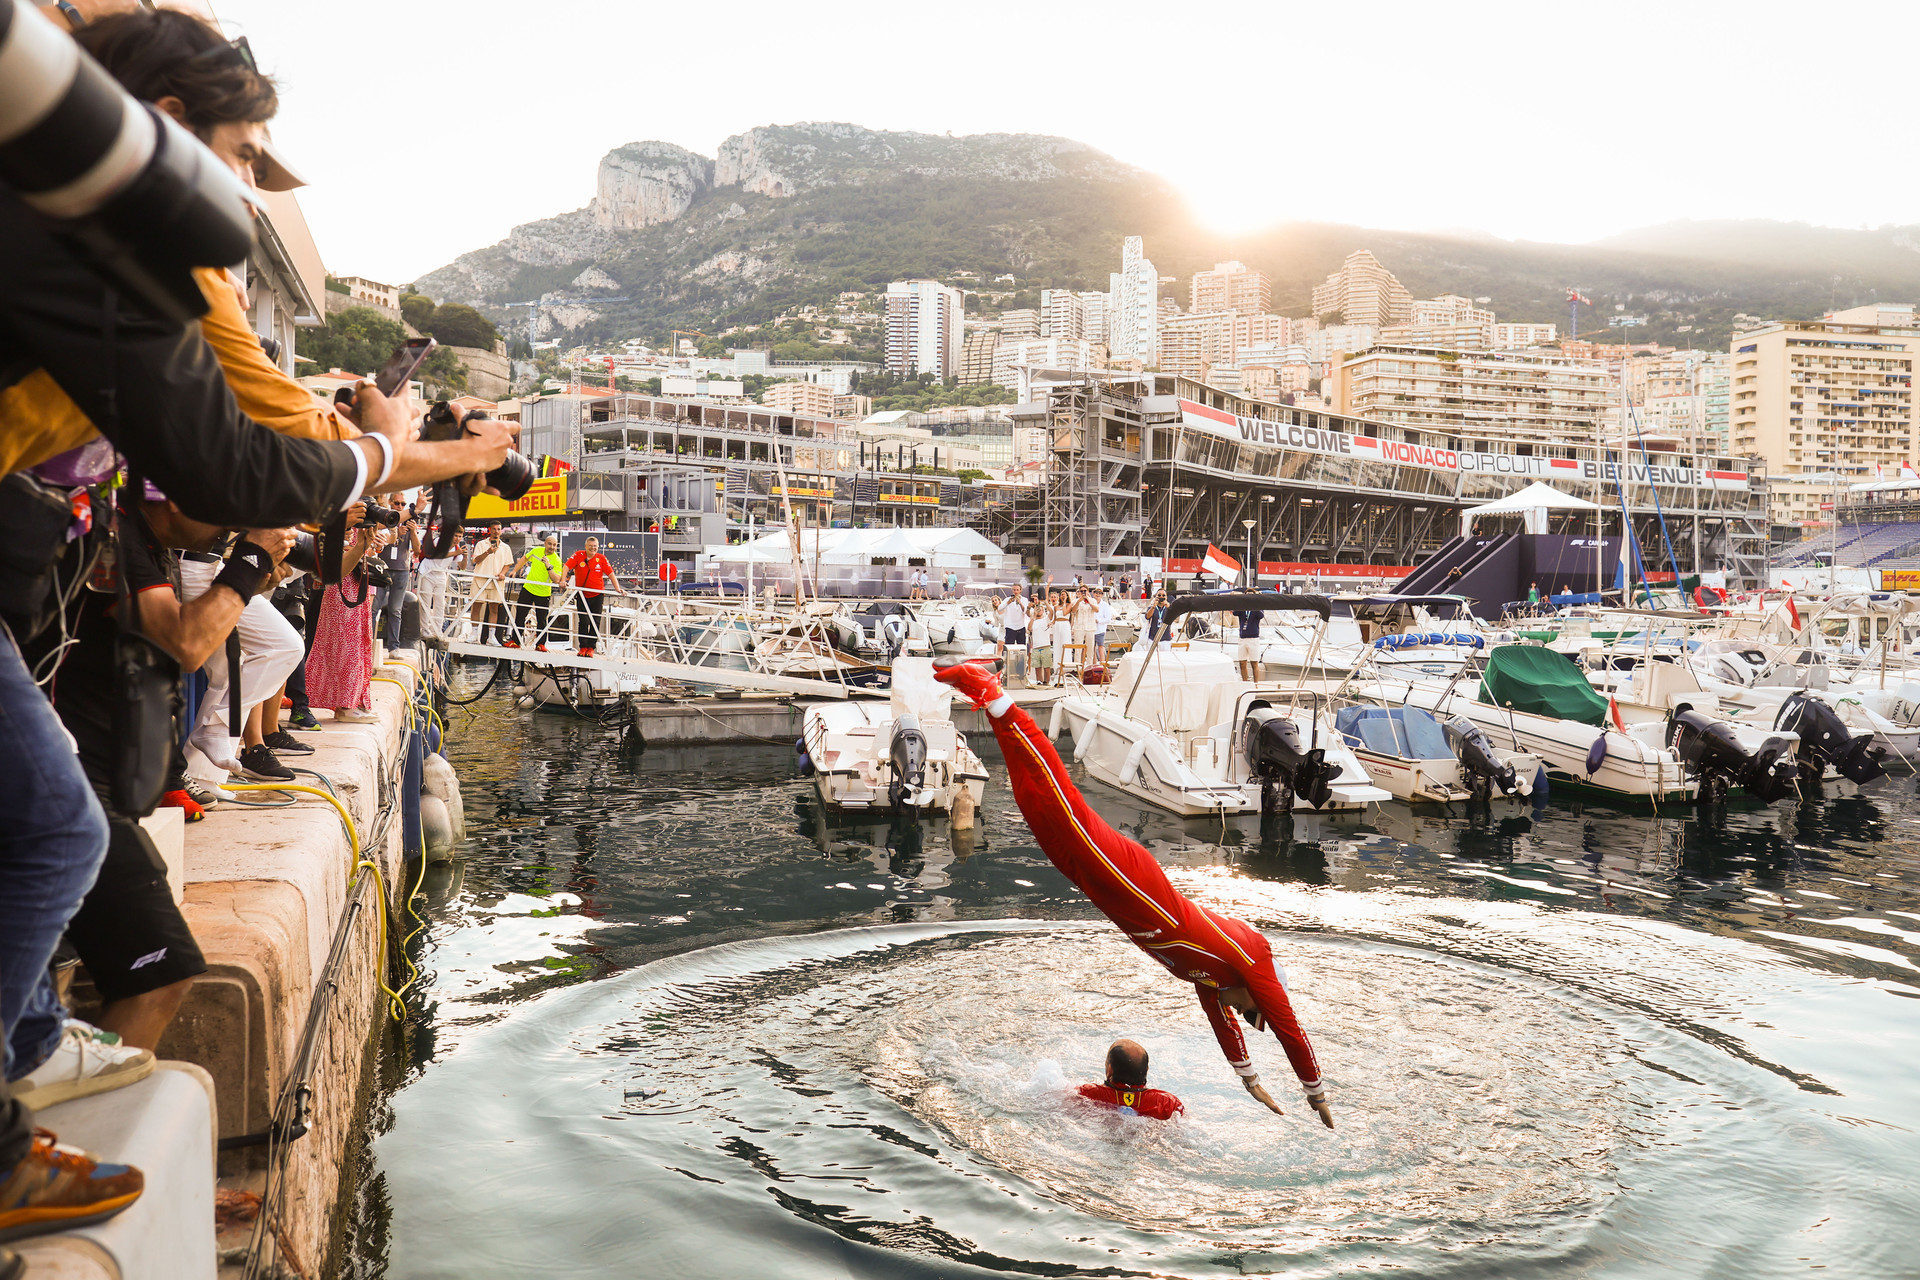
[[1127, 1064], [157, 53]]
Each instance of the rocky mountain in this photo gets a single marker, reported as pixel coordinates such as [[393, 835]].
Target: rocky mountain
[[790, 214]]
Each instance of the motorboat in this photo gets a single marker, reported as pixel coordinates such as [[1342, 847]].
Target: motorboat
[[877, 630], [1722, 745], [904, 755], [958, 628], [1179, 729], [1418, 757], [1532, 700]]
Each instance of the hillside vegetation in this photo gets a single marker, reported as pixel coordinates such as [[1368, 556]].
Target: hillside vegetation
[[857, 208]]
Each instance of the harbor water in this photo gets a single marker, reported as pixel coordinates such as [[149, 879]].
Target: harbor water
[[672, 1022]]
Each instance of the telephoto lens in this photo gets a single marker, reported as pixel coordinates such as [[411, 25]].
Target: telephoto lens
[[513, 477], [382, 515]]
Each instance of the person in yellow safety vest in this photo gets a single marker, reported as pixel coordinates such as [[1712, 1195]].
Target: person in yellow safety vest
[[541, 568]]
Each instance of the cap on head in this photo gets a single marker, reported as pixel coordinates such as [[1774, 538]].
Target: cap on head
[[1127, 1064]]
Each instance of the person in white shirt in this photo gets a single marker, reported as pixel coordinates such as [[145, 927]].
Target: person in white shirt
[[1103, 614], [1013, 623]]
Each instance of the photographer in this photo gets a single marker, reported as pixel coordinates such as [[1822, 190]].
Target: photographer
[[135, 943], [491, 561], [397, 556]]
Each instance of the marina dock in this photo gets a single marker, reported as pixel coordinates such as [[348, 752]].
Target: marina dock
[[264, 1073]]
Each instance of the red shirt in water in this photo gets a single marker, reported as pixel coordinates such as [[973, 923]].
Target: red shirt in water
[[1154, 1104], [590, 573], [1196, 945]]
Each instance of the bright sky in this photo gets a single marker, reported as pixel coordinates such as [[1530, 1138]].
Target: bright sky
[[431, 127]]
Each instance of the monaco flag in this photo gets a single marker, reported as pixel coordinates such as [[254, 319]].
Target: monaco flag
[[1220, 565]]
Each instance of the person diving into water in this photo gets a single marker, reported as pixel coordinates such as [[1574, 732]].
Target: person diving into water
[[1126, 1085], [1228, 962]]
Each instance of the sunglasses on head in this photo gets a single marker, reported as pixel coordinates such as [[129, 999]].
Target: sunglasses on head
[[238, 52]]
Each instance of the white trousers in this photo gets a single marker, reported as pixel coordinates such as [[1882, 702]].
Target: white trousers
[[270, 649], [430, 584]]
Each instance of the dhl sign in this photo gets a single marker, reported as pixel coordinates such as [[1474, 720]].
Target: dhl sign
[[546, 498], [932, 500], [795, 491]]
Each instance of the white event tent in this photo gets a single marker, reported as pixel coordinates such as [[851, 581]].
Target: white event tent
[[863, 562], [1532, 502]]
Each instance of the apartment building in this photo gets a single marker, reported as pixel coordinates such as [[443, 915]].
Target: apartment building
[[1826, 397], [809, 398], [923, 328], [1062, 315], [1190, 345], [1133, 307], [1362, 292], [977, 352], [371, 293], [1486, 395], [1508, 337], [1043, 353], [1231, 286], [1022, 322]]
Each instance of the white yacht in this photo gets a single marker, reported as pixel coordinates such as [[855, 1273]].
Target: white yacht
[[1179, 729], [904, 755]]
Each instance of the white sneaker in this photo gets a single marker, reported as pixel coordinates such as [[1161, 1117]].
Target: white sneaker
[[353, 715], [87, 1061]]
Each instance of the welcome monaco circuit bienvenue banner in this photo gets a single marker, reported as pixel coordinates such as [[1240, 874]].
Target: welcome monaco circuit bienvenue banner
[[1287, 435]]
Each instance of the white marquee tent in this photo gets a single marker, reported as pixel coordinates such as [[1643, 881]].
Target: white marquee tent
[[1532, 502], [861, 562]]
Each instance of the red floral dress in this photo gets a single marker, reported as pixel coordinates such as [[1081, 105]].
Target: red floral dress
[[340, 665]]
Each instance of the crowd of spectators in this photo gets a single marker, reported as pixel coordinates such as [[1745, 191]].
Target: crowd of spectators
[[159, 478]]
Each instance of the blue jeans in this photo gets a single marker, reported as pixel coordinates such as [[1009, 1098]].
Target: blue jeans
[[390, 601], [51, 848]]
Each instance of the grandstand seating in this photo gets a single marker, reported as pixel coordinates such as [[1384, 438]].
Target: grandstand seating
[[1859, 545]]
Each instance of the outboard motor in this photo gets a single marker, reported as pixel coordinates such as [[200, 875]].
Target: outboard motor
[[1711, 753], [1825, 740], [1284, 764], [891, 634], [907, 753], [1486, 772]]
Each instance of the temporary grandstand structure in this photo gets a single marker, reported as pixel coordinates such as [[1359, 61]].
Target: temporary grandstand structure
[[1532, 502], [864, 562]]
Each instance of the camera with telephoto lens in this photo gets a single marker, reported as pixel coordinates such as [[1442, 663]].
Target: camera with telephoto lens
[[511, 479], [139, 199], [387, 516]]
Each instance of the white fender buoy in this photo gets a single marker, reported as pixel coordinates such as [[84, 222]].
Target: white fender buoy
[[436, 829], [1131, 765], [962, 812], [1085, 740], [438, 779], [1057, 718]]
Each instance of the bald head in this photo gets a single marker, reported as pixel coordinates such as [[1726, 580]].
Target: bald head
[[1127, 1064]]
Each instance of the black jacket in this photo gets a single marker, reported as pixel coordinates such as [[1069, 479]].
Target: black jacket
[[176, 420]]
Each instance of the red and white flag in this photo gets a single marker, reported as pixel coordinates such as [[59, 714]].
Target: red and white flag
[[1793, 614], [1614, 707], [1220, 565], [1907, 472]]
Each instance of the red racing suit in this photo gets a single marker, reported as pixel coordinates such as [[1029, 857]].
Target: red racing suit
[[1122, 879], [1154, 1104]]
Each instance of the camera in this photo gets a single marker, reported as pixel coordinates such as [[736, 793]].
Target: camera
[[380, 515], [137, 196], [511, 478], [304, 554]]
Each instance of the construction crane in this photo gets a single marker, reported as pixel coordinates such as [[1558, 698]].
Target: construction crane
[[1574, 299]]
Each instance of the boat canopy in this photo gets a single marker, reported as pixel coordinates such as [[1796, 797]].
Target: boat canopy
[[1406, 733], [1540, 682], [1247, 601]]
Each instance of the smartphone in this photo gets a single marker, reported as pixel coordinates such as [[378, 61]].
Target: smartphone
[[400, 365]]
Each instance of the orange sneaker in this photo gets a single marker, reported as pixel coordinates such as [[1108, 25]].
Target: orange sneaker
[[58, 1188], [181, 800]]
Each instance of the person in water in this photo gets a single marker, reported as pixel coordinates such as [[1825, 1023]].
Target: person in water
[[1229, 963], [1126, 1085]]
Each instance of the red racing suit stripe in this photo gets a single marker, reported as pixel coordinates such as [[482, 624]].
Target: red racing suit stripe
[[1123, 880]]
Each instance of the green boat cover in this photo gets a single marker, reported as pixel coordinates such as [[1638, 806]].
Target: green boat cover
[[1542, 683]]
